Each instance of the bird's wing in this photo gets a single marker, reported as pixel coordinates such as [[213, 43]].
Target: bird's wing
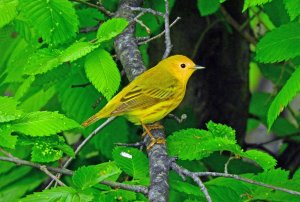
[[142, 97]]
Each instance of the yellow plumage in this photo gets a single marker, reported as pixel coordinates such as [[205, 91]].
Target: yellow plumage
[[153, 94]]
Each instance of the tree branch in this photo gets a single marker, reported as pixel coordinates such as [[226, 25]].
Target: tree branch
[[99, 6], [167, 30], [160, 34], [127, 51], [184, 172], [35, 165], [237, 26], [236, 177], [81, 145], [44, 168]]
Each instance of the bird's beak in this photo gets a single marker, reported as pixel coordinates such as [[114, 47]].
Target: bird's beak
[[199, 67]]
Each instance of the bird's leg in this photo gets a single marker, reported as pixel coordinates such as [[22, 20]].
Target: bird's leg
[[154, 140]]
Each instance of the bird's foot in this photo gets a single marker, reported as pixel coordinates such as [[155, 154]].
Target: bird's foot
[[150, 127], [155, 141]]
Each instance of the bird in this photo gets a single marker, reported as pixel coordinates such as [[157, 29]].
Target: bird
[[152, 95]]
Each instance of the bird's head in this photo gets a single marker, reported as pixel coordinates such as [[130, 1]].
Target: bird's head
[[180, 66]]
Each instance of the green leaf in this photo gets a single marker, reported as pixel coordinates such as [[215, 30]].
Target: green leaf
[[42, 61], [116, 132], [259, 104], [43, 124], [293, 8], [274, 177], [21, 185], [132, 161], [89, 17], [250, 3], [191, 144], [275, 9], [8, 11], [13, 176], [261, 158], [58, 194], [38, 100], [77, 50], [44, 152], [24, 87], [102, 71], [46, 149], [273, 47], [88, 176], [55, 20], [277, 73], [207, 7], [8, 110], [111, 28], [226, 189], [6, 139], [220, 130], [285, 95]]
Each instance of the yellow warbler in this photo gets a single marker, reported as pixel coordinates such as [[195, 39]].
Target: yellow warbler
[[152, 95]]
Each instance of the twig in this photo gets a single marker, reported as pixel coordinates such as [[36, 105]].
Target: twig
[[135, 188], [237, 26], [236, 177], [148, 30], [184, 172], [89, 29], [182, 118], [45, 170], [137, 144], [82, 144], [6, 153], [199, 41], [160, 34], [167, 30], [99, 6], [35, 165], [87, 139], [227, 163], [147, 10]]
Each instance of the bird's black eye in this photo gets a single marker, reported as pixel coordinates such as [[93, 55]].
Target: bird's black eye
[[182, 65]]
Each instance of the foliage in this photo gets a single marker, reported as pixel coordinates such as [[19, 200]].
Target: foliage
[[58, 67]]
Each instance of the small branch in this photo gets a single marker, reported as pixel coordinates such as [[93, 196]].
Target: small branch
[[82, 144], [147, 10], [236, 177], [167, 30], [184, 172], [89, 29], [45, 170], [160, 34], [6, 153], [35, 165], [227, 163], [199, 41], [237, 26], [99, 6], [136, 145], [179, 120], [134, 188]]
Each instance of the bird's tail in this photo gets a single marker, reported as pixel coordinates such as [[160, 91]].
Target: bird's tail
[[91, 120]]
